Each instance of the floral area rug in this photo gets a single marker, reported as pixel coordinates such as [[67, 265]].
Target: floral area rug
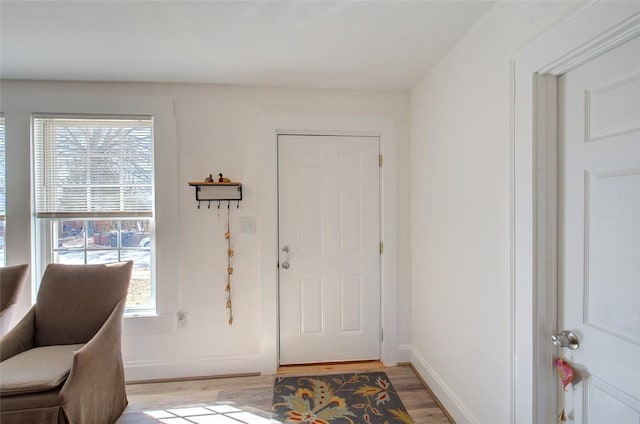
[[337, 399]]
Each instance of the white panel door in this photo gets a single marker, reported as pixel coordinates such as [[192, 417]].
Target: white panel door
[[599, 237], [329, 238]]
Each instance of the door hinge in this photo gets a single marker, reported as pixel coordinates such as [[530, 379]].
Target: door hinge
[[380, 161], [381, 335], [381, 248]]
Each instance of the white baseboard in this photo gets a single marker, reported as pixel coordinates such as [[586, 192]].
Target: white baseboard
[[189, 368], [403, 354], [445, 395]]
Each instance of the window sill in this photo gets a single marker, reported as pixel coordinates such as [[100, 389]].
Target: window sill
[[141, 314], [149, 324]]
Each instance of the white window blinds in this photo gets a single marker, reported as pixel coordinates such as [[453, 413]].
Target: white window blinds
[[93, 167]]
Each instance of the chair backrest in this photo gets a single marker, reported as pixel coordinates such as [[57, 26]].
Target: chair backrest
[[74, 301], [12, 280]]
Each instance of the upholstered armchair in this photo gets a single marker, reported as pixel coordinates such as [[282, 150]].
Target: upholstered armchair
[[62, 363], [12, 280]]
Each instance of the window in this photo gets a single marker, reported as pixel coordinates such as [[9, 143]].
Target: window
[[94, 195], [3, 191]]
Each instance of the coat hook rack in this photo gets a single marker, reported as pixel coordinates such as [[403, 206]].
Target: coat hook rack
[[216, 191], [221, 191]]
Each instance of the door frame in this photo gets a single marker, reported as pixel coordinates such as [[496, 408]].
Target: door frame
[[331, 134], [384, 126], [592, 30]]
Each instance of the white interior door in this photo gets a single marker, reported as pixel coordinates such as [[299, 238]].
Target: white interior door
[[599, 236], [329, 247]]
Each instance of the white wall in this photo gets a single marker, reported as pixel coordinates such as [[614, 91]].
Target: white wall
[[217, 129], [460, 172]]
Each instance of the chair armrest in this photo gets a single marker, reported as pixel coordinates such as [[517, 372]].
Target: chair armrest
[[20, 338], [99, 359]]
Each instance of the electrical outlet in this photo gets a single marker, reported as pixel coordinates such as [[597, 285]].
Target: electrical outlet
[[181, 319]]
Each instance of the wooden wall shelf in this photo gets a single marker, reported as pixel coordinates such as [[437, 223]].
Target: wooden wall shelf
[[217, 192]]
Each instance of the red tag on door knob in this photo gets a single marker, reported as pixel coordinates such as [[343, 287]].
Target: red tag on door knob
[[565, 371]]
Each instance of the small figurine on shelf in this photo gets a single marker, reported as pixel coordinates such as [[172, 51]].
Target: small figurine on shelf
[[209, 179], [222, 179]]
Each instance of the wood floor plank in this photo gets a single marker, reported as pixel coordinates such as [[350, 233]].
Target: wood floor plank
[[253, 395]]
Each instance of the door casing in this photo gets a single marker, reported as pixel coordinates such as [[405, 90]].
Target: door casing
[[594, 29], [385, 127]]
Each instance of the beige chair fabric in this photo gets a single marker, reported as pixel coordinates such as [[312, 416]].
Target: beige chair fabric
[[12, 280], [76, 305]]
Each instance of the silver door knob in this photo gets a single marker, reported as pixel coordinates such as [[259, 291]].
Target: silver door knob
[[285, 265], [566, 339], [285, 249]]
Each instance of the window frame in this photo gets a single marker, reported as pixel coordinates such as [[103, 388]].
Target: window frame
[[43, 225], [3, 207]]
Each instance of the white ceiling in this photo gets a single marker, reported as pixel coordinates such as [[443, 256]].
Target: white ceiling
[[325, 44]]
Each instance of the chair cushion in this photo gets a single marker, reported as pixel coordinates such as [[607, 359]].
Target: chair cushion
[[36, 370]]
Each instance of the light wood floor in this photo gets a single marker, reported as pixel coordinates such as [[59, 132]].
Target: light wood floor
[[249, 398]]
